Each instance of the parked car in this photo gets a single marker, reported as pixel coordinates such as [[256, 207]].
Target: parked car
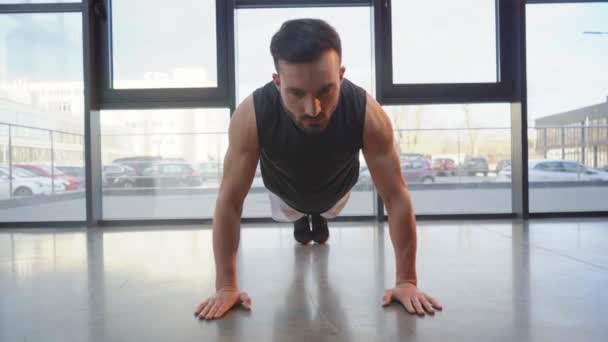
[[26, 183], [563, 170], [118, 176], [444, 166], [71, 183], [210, 170], [413, 171], [417, 171], [75, 171], [139, 164], [472, 165], [412, 156], [559, 171], [168, 174], [502, 164]]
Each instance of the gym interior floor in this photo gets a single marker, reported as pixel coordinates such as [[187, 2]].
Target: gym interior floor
[[503, 280]]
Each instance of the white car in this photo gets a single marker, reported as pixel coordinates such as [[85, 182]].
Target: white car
[[558, 171], [26, 183]]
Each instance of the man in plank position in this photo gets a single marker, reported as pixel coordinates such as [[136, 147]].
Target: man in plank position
[[306, 127]]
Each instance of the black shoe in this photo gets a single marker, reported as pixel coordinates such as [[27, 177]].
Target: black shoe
[[320, 230], [301, 230]]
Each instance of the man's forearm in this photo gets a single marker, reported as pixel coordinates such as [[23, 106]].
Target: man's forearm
[[402, 225], [226, 235]]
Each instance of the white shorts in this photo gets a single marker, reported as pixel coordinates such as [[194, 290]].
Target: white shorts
[[284, 213]]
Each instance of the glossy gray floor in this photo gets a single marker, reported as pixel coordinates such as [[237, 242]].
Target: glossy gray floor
[[498, 281]]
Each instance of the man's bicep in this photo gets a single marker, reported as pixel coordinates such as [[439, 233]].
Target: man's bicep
[[242, 156], [385, 170], [239, 169], [380, 153]]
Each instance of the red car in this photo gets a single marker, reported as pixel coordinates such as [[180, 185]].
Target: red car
[[444, 166], [71, 182]]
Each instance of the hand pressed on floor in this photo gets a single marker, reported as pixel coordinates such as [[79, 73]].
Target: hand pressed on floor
[[412, 299], [224, 299]]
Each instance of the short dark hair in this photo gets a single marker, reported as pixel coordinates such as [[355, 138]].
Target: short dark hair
[[303, 41]]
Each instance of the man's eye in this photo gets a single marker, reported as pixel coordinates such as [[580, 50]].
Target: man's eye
[[325, 91]]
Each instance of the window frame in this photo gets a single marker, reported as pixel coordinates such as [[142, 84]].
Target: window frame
[[165, 98], [240, 4], [390, 93]]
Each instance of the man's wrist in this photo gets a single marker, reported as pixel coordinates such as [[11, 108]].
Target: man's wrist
[[225, 284], [405, 282], [226, 288]]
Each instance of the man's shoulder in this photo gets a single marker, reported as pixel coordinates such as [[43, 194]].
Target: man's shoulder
[[266, 88]]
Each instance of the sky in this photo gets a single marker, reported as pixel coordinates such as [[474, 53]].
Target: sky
[[566, 68]]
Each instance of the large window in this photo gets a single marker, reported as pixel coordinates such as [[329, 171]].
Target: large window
[[455, 158], [155, 45], [162, 163], [567, 106], [254, 30], [444, 41], [255, 27], [41, 118]]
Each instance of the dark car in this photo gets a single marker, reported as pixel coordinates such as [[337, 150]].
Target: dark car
[[168, 174], [444, 166], [118, 176], [417, 171], [474, 165], [138, 164]]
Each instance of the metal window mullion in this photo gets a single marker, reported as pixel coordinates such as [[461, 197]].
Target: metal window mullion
[[92, 137], [520, 191], [52, 161], [10, 161], [41, 8], [252, 4], [534, 2]]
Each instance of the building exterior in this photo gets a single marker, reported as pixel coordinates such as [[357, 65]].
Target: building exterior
[[580, 135]]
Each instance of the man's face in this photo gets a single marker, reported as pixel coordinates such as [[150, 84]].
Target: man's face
[[310, 91]]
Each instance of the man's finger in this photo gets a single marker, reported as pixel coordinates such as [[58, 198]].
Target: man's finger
[[427, 305], [408, 305], [245, 301], [206, 309], [213, 310], [221, 310], [200, 308], [387, 298], [434, 302], [417, 306]]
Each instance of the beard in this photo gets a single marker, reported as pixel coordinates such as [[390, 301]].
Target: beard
[[312, 125], [309, 124]]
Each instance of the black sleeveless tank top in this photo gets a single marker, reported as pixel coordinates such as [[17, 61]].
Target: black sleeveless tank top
[[311, 173]]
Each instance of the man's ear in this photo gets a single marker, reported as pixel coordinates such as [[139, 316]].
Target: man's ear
[[342, 71], [276, 80]]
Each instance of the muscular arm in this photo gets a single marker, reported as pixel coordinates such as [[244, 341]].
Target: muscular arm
[[239, 169], [383, 162]]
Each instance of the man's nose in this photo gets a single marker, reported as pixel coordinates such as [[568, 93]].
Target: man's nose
[[313, 107]]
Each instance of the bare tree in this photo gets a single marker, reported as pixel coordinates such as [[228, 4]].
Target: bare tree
[[471, 133]]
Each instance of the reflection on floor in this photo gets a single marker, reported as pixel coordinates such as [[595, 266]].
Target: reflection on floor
[[498, 281]]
